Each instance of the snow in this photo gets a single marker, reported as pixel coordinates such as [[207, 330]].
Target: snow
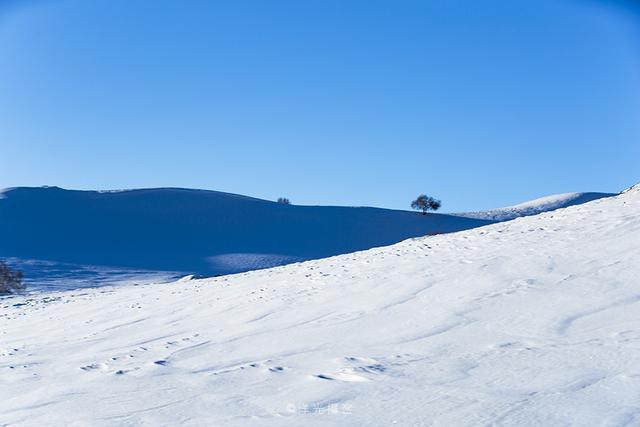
[[50, 276], [534, 207], [67, 239], [194, 231], [249, 261], [534, 321]]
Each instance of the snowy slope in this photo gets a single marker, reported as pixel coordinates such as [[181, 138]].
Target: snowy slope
[[534, 207], [534, 321], [194, 231]]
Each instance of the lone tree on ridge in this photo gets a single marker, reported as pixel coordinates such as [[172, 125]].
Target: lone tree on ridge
[[426, 203]]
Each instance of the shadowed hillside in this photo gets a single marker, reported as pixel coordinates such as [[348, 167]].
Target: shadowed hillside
[[196, 231]]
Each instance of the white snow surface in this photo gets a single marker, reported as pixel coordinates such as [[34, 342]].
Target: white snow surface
[[534, 321], [536, 206]]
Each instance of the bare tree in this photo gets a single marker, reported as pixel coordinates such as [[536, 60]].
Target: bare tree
[[283, 201], [10, 280], [426, 203]]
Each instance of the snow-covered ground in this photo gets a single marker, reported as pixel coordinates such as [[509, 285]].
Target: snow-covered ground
[[51, 276], [194, 231], [536, 206], [65, 239], [534, 321]]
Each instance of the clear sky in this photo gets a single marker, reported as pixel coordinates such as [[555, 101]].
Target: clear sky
[[479, 103]]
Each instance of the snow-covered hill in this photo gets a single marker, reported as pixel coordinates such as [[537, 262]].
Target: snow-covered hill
[[194, 231], [534, 207], [534, 321]]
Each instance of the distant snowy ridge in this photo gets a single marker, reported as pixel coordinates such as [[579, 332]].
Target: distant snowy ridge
[[178, 230], [195, 231], [535, 207]]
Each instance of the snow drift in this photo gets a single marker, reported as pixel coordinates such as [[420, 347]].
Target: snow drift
[[534, 321]]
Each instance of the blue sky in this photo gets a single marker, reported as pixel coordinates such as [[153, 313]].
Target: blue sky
[[479, 103]]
